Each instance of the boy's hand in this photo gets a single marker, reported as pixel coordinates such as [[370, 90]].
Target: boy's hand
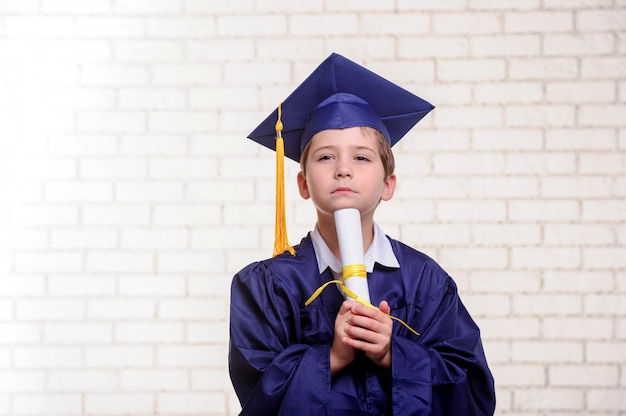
[[341, 354], [368, 330]]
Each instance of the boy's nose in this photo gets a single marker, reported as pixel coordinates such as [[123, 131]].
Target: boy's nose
[[343, 171]]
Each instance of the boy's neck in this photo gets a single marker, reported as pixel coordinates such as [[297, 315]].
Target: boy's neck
[[326, 226]]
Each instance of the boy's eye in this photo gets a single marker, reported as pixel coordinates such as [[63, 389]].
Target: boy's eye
[[325, 157], [361, 158]]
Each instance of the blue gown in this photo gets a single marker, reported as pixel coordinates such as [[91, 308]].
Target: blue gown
[[279, 352]]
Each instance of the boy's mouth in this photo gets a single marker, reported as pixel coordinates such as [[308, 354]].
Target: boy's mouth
[[343, 190]]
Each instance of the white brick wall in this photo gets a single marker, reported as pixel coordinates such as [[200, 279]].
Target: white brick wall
[[129, 195]]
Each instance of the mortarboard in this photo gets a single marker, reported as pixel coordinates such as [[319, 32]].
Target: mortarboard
[[338, 94]]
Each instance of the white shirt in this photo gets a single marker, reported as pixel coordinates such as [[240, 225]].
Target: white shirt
[[379, 251]]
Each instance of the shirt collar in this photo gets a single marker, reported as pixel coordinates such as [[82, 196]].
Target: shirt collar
[[379, 251]]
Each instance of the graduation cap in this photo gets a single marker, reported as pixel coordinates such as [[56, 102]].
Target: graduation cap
[[338, 94]]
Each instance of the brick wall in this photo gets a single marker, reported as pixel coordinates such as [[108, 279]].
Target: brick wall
[[129, 195]]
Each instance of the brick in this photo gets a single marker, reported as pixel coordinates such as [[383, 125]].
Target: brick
[[214, 238], [161, 145], [107, 215], [44, 357], [38, 27], [12, 6], [116, 356], [512, 375], [81, 380], [578, 234], [157, 285], [300, 49], [471, 70], [77, 333], [500, 139], [600, 20], [83, 238], [538, 21], [583, 375], [471, 210], [219, 51], [216, 98], [111, 122], [546, 305], [154, 380], [121, 309], [75, 6], [483, 258], [67, 50], [115, 404], [432, 46], [603, 210], [194, 356], [211, 8], [600, 115], [190, 262], [577, 328], [515, 92], [49, 309], [438, 234], [19, 333], [207, 333], [248, 25], [578, 44], [149, 332], [605, 352], [22, 238], [539, 115], [545, 258], [509, 328], [383, 23], [543, 210], [109, 27], [147, 6], [149, 192], [81, 285], [75, 145], [111, 75], [487, 305], [220, 286], [606, 399], [176, 74], [544, 164], [562, 399], [181, 121], [582, 138], [542, 69], [192, 403], [187, 215], [505, 187], [20, 285], [49, 262], [461, 163], [154, 238], [504, 281], [116, 262], [173, 168], [48, 404], [505, 45], [153, 98], [602, 67], [576, 92], [181, 28], [605, 305], [609, 163], [465, 23], [578, 281], [86, 192], [208, 379], [441, 5], [545, 351], [318, 24], [22, 381], [604, 258], [192, 309], [223, 191]]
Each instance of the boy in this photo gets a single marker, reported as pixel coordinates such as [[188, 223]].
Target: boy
[[337, 356]]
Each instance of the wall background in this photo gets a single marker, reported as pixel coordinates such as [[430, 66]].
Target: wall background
[[129, 195]]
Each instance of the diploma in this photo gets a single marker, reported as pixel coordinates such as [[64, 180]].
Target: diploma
[[350, 237]]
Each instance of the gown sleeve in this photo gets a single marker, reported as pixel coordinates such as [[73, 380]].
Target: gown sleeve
[[271, 372], [444, 371]]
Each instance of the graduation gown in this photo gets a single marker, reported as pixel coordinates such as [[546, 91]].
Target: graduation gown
[[279, 352]]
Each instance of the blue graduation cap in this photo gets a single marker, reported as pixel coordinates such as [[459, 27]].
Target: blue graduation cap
[[338, 94], [341, 94]]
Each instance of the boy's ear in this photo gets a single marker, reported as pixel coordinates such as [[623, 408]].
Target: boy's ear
[[390, 188], [303, 187]]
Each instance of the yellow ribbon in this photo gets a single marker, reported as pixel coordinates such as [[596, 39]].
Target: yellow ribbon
[[356, 297]]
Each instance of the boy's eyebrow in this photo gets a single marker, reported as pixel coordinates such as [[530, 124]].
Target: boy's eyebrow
[[333, 147]]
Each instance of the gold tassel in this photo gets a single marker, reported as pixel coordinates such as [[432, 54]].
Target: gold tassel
[[281, 241]]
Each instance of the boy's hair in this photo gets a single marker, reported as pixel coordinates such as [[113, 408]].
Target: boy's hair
[[384, 150]]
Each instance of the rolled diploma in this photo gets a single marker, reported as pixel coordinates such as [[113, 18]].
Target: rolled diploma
[[350, 236]]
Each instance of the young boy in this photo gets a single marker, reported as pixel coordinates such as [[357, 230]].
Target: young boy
[[335, 355]]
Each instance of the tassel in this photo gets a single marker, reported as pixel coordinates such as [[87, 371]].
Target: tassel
[[281, 241]]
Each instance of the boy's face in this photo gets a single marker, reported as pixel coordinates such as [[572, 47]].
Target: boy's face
[[344, 170]]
